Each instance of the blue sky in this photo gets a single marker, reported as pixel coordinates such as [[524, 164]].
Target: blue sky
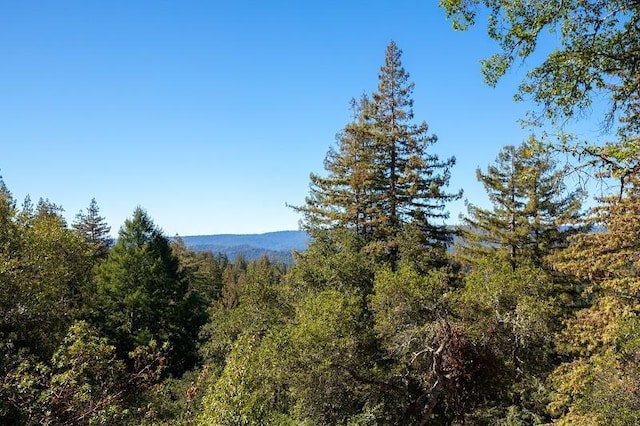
[[212, 114]]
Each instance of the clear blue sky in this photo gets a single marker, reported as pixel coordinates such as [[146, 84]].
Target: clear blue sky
[[212, 114]]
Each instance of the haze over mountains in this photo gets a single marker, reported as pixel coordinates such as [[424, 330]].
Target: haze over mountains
[[277, 246]]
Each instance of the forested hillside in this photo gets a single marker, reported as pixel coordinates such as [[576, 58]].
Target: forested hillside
[[529, 317], [276, 246]]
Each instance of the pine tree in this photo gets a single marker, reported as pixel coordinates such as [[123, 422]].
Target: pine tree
[[551, 210], [501, 227], [381, 176], [413, 179], [94, 229], [529, 206], [345, 197], [141, 294]]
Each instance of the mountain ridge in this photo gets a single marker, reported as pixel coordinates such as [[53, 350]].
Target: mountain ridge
[[277, 246]]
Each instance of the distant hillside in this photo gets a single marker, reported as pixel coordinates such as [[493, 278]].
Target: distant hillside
[[277, 246]]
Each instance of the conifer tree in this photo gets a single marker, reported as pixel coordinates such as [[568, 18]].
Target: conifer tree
[[412, 178], [345, 197], [141, 294], [551, 210], [529, 205], [381, 177], [94, 229]]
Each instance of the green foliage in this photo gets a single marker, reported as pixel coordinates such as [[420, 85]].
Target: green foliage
[[335, 259], [600, 390], [202, 270], [141, 294], [516, 314], [43, 285], [43, 273], [374, 324], [280, 338], [512, 301], [83, 383], [413, 178], [346, 196], [382, 176], [94, 230], [406, 305], [530, 205], [433, 369], [595, 56], [599, 384], [416, 248], [241, 395], [87, 384], [242, 388], [252, 301], [323, 346], [275, 379]]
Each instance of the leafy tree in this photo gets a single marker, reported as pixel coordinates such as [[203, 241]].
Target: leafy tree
[[285, 337], [599, 382], [326, 342], [141, 294], [309, 370], [10, 243], [42, 280], [596, 54], [254, 303], [244, 394], [433, 369], [335, 259], [530, 206], [513, 315], [42, 275], [242, 387], [94, 229], [84, 382]]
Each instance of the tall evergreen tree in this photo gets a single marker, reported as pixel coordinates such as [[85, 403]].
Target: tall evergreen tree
[[499, 228], [413, 179], [381, 177], [551, 209], [346, 197], [94, 229], [141, 294], [529, 205]]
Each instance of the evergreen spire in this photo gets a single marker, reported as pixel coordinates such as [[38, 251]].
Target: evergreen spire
[[381, 176], [529, 206], [94, 229]]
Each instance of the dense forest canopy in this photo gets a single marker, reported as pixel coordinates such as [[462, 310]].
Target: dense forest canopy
[[521, 315]]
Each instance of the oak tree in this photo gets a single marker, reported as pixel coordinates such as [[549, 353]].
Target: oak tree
[[597, 53]]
